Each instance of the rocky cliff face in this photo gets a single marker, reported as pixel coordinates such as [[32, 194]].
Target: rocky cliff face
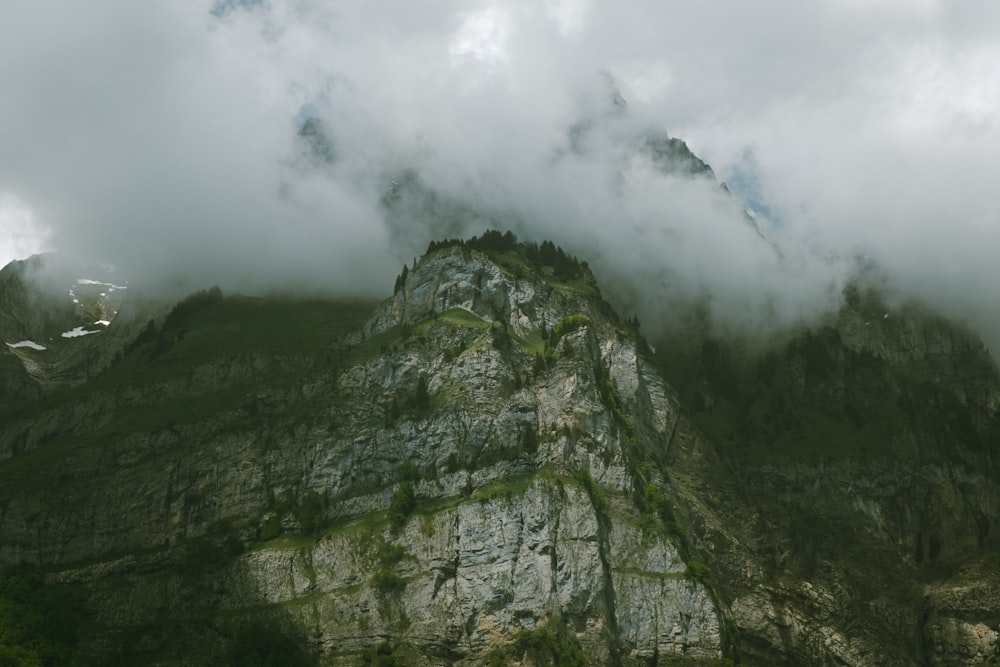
[[448, 480], [489, 468]]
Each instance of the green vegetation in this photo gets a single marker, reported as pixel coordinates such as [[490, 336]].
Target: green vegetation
[[546, 357], [594, 491], [699, 572], [39, 622], [566, 325], [309, 511], [654, 504], [511, 485], [208, 325], [201, 556], [463, 318], [284, 338], [812, 398], [400, 280], [554, 643], [546, 258], [422, 399], [417, 405], [612, 400], [385, 654], [272, 528], [991, 562], [404, 501], [387, 581], [259, 645]]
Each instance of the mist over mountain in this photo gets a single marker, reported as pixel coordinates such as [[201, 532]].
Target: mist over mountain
[[169, 142]]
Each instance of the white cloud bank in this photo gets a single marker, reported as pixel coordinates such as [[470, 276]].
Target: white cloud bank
[[160, 138]]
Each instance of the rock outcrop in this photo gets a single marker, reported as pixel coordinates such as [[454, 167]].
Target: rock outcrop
[[467, 474]]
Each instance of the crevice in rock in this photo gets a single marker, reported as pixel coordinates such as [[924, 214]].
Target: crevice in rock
[[604, 553]]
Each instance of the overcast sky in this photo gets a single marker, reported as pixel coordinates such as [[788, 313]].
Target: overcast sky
[[160, 138]]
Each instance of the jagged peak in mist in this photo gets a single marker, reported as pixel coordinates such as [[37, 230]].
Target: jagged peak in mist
[[314, 138]]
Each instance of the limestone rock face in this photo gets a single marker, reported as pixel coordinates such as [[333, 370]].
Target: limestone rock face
[[521, 473]]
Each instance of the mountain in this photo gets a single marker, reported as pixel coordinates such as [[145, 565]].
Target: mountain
[[492, 467]]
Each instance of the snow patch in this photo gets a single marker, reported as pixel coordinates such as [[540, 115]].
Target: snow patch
[[88, 281], [27, 343], [77, 332], [103, 323]]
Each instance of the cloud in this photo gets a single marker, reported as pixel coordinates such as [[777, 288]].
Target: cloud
[[20, 234], [162, 139]]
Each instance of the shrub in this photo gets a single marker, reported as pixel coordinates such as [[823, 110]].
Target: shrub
[[400, 280], [388, 581], [404, 501], [257, 645], [501, 337], [552, 644], [594, 491], [698, 571], [566, 325], [201, 556], [383, 655], [311, 513], [422, 398], [38, 621], [529, 440], [272, 528]]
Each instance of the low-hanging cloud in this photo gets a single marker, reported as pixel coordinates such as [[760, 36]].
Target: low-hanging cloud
[[162, 139]]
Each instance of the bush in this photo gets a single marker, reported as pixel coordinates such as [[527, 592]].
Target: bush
[[38, 621], [552, 644], [400, 280], [383, 655], [529, 439], [991, 562], [272, 528], [257, 645], [594, 492], [698, 571], [388, 581], [422, 398], [311, 513], [404, 501], [564, 267], [201, 556], [501, 337], [566, 325]]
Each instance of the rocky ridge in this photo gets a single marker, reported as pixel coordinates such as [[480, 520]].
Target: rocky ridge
[[519, 464], [488, 468]]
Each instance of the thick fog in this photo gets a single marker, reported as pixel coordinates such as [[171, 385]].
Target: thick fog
[[164, 139]]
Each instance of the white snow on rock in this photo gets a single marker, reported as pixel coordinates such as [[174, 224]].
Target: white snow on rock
[[103, 323], [27, 343], [88, 281], [79, 331]]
